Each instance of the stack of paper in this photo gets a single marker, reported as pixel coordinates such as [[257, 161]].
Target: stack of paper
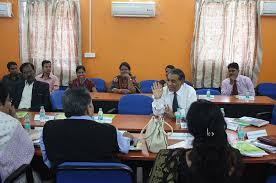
[[248, 149], [253, 121], [186, 144], [21, 114], [104, 120], [206, 98], [60, 116], [47, 117], [267, 148]]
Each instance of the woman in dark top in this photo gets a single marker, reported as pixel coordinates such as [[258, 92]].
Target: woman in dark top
[[81, 81], [125, 83], [211, 160]]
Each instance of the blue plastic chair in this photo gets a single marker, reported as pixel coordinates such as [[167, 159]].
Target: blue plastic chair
[[267, 89], [271, 179], [135, 104], [204, 91], [146, 85], [90, 172], [100, 84], [63, 87], [56, 100]]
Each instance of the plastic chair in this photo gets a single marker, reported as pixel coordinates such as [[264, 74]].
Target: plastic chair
[[267, 89], [90, 172], [271, 179], [63, 87], [56, 100], [100, 84], [135, 104], [204, 91], [146, 85], [268, 115]]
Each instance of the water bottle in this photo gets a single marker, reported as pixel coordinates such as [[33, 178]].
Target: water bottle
[[241, 133], [178, 117], [222, 111], [42, 115], [27, 123], [247, 96], [208, 94], [100, 114]]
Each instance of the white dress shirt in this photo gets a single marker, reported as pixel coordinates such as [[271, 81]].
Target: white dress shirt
[[186, 95], [26, 99]]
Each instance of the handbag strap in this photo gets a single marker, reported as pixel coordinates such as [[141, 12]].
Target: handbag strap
[[143, 130]]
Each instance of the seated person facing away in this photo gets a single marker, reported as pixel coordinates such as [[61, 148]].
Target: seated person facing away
[[176, 94], [31, 94], [211, 160], [125, 83], [79, 138], [81, 81], [48, 77], [13, 78], [16, 148], [236, 84], [167, 70]]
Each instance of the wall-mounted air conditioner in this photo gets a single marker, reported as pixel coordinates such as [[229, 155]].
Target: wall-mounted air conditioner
[[268, 8], [133, 9], [5, 9]]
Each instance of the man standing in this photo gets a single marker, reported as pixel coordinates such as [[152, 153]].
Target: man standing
[[79, 138], [12, 79], [47, 76], [176, 95], [236, 84], [31, 94]]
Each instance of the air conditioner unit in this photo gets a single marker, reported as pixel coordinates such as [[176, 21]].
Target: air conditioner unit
[[133, 9], [5, 9], [268, 8]]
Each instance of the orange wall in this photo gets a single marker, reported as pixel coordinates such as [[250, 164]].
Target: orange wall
[[148, 44]]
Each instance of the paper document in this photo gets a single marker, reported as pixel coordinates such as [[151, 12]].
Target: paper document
[[248, 149], [104, 120], [180, 136], [186, 144], [206, 98], [47, 117], [21, 114]]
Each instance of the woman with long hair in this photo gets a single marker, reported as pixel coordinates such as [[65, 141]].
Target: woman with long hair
[[211, 160]]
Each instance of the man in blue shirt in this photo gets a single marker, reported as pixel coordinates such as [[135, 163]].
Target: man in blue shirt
[[79, 138]]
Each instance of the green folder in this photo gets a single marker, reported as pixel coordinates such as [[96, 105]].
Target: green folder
[[21, 114]]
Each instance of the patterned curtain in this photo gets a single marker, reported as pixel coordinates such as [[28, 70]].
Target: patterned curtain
[[51, 30], [225, 31]]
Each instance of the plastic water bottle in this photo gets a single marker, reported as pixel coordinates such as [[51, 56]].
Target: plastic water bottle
[[222, 111], [178, 117], [42, 115], [100, 114], [241, 133], [247, 96], [27, 123], [208, 94]]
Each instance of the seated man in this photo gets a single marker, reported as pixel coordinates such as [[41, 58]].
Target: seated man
[[236, 84], [48, 77], [12, 79], [31, 94], [176, 94], [79, 138]]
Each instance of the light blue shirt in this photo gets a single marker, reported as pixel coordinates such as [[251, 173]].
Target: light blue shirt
[[123, 142]]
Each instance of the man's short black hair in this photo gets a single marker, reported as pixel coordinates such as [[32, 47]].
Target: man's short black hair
[[26, 64], [179, 73], [45, 62], [11, 64], [170, 67], [80, 67], [233, 65]]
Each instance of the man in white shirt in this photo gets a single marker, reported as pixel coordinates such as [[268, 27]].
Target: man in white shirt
[[176, 95]]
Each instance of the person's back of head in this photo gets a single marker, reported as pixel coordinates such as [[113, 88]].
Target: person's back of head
[[77, 102], [211, 153]]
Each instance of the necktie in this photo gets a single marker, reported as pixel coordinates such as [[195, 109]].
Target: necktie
[[235, 88], [175, 103]]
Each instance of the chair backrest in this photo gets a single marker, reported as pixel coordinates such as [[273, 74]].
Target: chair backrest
[[204, 91], [90, 172], [100, 84], [271, 179], [135, 104], [24, 169], [56, 99], [146, 85], [63, 87], [267, 89]]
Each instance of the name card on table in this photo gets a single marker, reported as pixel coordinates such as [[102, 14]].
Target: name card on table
[[255, 134]]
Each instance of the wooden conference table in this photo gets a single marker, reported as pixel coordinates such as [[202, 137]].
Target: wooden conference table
[[233, 106], [134, 123]]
